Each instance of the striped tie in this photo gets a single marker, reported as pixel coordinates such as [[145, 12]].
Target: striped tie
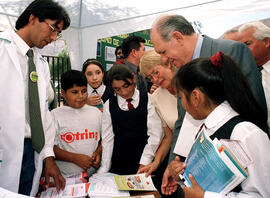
[[37, 133]]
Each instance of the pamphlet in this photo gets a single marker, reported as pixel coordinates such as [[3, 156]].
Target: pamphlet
[[103, 185], [134, 182], [187, 135], [70, 180], [213, 166], [76, 190], [8, 194]]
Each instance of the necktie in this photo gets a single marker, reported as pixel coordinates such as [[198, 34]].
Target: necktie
[[201, 127], [130, 105], [95, 91], [37, 133]]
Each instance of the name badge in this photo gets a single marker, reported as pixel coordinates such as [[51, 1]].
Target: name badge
[[34, 76]]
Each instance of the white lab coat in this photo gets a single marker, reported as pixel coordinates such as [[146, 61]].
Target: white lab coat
[[12, 115]]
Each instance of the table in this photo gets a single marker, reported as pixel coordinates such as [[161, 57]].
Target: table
[[139, 193]]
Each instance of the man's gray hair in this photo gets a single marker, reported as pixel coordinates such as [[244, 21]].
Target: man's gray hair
[[166, 25], [261, 30], [230, 31]]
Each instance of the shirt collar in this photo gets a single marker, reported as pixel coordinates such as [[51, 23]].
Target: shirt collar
[[20, 43], [266, 66], [135, 97], [219, 116], [100, 90], [197, 50]]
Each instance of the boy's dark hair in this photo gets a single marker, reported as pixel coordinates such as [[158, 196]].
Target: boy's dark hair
[[119, 72], [92, 61], [130, 43], [71, 78], [44, 9], [226, 82], [116, 49]]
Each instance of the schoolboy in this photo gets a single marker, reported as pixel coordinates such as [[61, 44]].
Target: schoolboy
[[78, 127]]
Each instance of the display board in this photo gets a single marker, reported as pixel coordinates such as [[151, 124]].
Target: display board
[[106, 47]]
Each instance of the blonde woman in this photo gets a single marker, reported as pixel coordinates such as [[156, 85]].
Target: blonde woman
[[165, 102]]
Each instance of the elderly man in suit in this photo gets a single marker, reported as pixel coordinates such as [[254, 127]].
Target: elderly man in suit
[[176, 41], [256, 36]]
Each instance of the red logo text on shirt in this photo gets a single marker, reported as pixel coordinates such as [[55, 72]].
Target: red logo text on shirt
[[69, 137]]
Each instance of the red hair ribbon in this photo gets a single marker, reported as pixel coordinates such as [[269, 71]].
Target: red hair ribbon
[[216, 59]]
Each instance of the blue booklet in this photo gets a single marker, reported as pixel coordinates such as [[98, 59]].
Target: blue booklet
[[213, 166]]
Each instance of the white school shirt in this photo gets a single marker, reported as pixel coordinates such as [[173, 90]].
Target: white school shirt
[[266, 87], [77, 131], [154, 131], [100, 90], [257, 144]]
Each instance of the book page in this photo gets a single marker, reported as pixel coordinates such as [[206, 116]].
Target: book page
[[76, 190], [238, 150], [103, 185], [134, 182]]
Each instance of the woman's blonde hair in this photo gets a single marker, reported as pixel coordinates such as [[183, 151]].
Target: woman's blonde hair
[[149, 60]]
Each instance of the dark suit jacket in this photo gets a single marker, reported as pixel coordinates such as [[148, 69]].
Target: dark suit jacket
[[241, 53]]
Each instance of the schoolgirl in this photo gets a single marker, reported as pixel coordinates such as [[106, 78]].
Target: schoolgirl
[[98, 93], [131, 128], [215, 90]]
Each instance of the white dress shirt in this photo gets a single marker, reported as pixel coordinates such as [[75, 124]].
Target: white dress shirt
[[266, 87], [100, 90], [22, 48], [154, 131], [257, 144]]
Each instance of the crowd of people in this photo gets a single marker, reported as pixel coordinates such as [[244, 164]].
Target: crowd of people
[[127, 120]]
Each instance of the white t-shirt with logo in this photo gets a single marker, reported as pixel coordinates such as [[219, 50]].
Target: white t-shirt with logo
[[77, 131]]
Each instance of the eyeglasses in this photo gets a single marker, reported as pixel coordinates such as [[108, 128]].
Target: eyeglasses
[[154, 74], [53, 30]]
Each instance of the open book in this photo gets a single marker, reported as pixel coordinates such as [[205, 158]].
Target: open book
[[215, 166], [134, 182]]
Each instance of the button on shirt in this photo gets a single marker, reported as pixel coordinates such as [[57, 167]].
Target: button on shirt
[[154, 131]]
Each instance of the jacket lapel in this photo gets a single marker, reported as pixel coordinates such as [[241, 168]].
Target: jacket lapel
[[206, 49]]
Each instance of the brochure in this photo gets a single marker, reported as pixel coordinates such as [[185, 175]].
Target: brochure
[[103, 185], [75, 190], [214, 166], [8, 194], [134, 182]]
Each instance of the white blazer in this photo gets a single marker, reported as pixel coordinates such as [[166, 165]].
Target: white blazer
[[12, 115]]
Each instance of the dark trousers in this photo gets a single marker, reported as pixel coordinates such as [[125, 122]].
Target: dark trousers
[[27, 169]]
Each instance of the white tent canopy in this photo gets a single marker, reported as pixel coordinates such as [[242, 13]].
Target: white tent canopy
[[94, 19]]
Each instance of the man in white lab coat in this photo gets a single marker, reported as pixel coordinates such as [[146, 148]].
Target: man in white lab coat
[[20, 165]]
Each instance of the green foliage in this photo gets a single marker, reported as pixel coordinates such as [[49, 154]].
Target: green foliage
[[58, 65]]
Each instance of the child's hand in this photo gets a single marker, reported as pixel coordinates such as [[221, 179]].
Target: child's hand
[[148, 169], [195, 191], [168, 186], [96, 159], [176, 168], [94, 100], [83, 161]]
